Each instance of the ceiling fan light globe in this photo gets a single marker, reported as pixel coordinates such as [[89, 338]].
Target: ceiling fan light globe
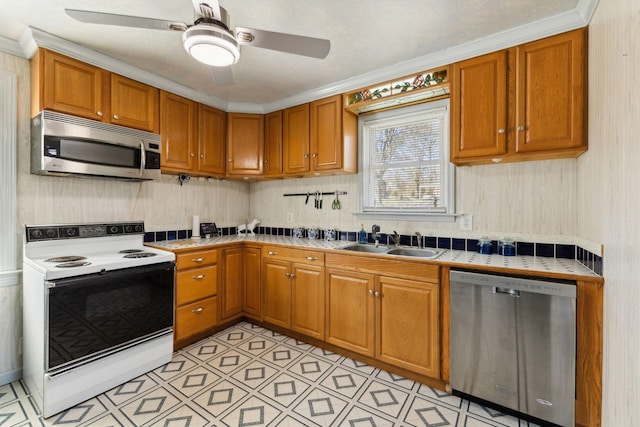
[[211, 45]]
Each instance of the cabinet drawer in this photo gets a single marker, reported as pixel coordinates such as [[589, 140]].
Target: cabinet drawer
[[195, 284], [295, 255], [196, 317], [196, 259]]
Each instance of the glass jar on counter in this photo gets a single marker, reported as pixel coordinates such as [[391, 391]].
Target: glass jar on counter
[[507, 247], [484, 245]]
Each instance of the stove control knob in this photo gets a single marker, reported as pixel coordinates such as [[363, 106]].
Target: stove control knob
[[128, 228], [113, 229], [138, 227], [51, 232], [36, 234], [71, 232]]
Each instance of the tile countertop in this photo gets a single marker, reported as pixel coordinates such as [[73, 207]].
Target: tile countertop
[[453, 257]]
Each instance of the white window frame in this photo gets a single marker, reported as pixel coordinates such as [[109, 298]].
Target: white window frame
[[445, 213]]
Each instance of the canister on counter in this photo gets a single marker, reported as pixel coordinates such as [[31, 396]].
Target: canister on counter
[[484, 245], [507, 247]]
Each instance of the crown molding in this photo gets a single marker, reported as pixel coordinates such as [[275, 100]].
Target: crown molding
[[11, 47], [32, 38]]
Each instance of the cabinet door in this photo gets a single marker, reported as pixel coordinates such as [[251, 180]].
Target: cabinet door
[[277, 292], [177, 131], [232, 285], [134, 104], [550, 93], [296, 139], [408, 326], [211, 141], [349, 311], [307, 300], [73, 87], [253, 283], [245, 139], [326, 133], [479, 107], [273, 144]]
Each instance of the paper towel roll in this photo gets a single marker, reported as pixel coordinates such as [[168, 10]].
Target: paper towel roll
[[195, 228]]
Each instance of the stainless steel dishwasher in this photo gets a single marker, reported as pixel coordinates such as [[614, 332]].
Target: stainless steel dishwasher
[[513, 343]]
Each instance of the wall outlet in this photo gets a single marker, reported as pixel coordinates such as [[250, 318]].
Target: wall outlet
[[289, 217], [466, 222]]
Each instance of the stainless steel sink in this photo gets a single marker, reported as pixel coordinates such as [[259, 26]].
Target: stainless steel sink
[[429, 253], [417, 253], [355, 247]]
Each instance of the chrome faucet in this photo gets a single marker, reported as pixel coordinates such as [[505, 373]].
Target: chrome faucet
[[395, 237], [420, 240], [375, 230]]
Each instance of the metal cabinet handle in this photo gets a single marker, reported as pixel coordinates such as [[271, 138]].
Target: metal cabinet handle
[[520, 128], [202, 156], [306, 156], [266, 161], [198, 310], [292, 276], [197, 259], [287, 274], [272, 253], [199, 276], [377, 294], [192, 155], [229, 160], [501, 130], [99, 113], [314, 155], [115, 116], [312, 258], [370, 291]]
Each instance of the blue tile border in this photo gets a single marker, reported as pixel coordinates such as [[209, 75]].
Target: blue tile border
[[566, 251]]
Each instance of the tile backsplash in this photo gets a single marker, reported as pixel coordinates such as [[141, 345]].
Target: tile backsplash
[[590, 260]]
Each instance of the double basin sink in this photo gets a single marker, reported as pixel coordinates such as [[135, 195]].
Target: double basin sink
[[429, 253]]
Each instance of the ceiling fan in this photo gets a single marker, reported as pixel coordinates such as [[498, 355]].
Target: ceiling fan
[[210, 41]]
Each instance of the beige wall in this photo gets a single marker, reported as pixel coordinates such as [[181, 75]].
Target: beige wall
[[536, 198], [609, 197]]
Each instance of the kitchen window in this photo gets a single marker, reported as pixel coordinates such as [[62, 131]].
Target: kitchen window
[[405, 170]]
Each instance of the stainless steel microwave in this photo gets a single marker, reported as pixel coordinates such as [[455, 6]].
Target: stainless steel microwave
[[64, 145]]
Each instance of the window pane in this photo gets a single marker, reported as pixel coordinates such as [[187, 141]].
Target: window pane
[[404, 170]]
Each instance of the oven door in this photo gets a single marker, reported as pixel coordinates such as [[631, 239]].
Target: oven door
[[97, 313]]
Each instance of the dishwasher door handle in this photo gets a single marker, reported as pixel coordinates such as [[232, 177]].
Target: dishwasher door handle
[[506, 291]]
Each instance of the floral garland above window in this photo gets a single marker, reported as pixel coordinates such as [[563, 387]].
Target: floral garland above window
[[420, 81]]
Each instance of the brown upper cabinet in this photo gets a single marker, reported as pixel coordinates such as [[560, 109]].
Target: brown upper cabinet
[[273, 144], [524, 103], [178, 126], [245, 144], [320, 138], [66, 85], [193, 137], [296, 139]]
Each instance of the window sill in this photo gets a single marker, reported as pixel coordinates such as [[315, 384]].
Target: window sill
[[411, 216]]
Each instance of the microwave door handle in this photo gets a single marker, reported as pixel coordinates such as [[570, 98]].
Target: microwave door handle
[[143, 158]]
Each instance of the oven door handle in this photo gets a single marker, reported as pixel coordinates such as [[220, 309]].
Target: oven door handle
[[143, 158]]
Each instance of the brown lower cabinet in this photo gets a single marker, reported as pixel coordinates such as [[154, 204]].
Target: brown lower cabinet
[[395, 320], [196, 292], [294, 289]]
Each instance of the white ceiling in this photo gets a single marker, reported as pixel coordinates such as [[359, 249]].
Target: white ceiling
[[371, 40]]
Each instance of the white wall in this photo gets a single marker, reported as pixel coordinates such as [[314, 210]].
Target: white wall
[[609, 197]]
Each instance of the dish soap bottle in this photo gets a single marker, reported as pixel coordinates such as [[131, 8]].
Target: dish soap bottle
[[362, 236]]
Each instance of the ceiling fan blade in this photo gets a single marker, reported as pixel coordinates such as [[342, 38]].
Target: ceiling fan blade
[[289, 43], [208, 9], [124, 20], [222, 76]]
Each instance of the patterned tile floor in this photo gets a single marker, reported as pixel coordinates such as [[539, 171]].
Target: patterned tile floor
[[249, 376]]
